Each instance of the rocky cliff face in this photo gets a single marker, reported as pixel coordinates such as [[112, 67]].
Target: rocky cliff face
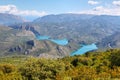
[[27, 27], [26, 33], [112, 41], [41, 49]]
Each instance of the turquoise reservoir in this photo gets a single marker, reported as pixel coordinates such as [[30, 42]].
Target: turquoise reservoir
[[84, 49], [42, 37], [60, 42], [63, 42]]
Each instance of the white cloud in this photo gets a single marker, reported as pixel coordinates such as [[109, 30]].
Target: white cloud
[[12, 9], [91, 2], [116, 3], [100, 10]]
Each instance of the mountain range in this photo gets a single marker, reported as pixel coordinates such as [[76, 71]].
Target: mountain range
[[9, 19], [80, 29]]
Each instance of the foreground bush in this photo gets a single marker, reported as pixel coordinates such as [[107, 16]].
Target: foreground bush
[[90, 66]]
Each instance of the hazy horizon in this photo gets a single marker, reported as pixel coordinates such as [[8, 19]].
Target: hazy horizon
[[33, 9]]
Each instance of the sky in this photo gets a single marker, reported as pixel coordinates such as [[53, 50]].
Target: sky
[[37, 8]]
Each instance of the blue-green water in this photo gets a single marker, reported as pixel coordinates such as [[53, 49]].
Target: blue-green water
[[60, 42], [42, 37], [84, 49], [63, 42]]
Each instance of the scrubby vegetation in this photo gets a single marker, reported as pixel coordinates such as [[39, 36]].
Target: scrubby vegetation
[[89, 66]]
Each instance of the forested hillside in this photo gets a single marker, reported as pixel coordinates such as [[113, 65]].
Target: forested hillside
[[89, 66]]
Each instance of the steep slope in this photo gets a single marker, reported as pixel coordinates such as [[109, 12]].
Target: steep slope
[[8, 19], [112, 41], [23, 42], [41, 49], [10, 37]]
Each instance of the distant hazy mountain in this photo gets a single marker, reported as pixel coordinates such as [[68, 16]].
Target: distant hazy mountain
[[77, 28], [63, 18], [87, 28], [8, 19]]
